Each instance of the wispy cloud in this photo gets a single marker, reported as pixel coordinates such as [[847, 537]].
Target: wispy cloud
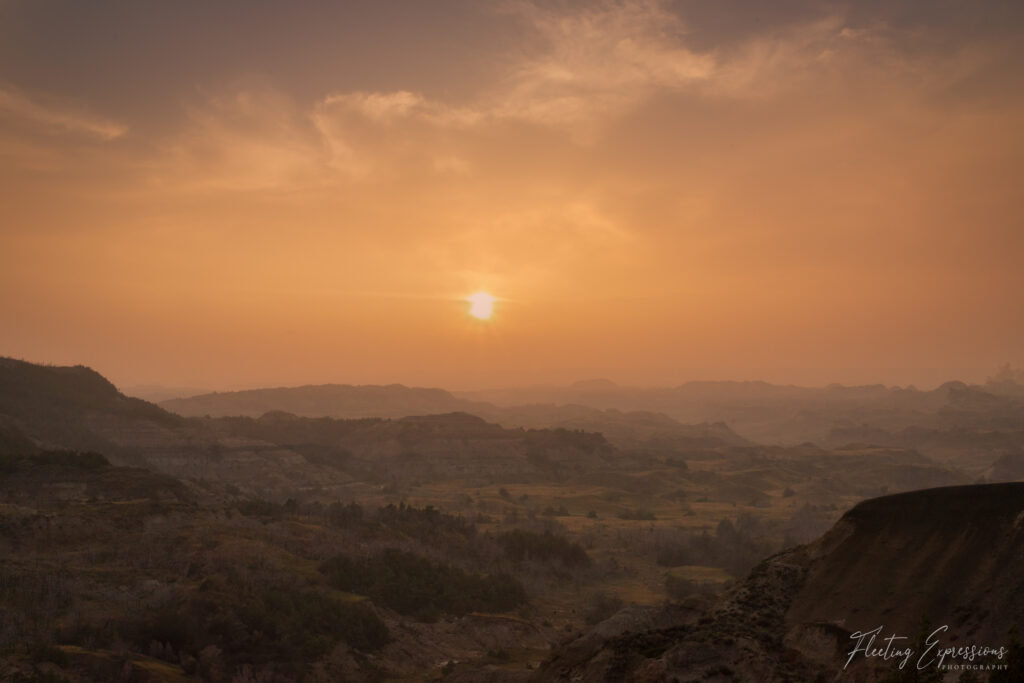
[[363, 130], [58, 115], [580, 69], [598, 62], [590, 65], [249, 140]]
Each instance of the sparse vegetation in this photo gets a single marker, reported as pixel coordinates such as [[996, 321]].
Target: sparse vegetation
[[413, 585], [734, 547], [522, 545], [638, 515]]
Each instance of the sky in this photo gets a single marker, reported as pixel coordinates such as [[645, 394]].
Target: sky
[[250, 193]]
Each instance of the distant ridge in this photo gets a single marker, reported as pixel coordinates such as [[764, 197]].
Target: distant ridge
[[343, 401], [594, 385], [323, 400], [790, 415]]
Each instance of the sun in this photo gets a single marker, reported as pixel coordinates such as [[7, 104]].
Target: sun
[[481, 305]]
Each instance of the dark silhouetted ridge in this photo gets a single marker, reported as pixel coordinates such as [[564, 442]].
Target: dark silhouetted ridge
[[27, 387], [914, 511]]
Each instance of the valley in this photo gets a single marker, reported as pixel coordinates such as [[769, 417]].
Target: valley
[[445, 545]]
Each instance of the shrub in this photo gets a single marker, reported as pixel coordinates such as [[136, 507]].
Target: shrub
[[410, 584], [526, 545], [637, 515], [285, 624]]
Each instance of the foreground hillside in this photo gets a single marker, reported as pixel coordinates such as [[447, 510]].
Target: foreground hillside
[[950, 559]]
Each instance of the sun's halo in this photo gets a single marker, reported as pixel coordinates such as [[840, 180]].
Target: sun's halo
[[481, 305]]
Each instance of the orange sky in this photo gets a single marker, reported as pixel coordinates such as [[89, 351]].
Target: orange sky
[[232, 194]]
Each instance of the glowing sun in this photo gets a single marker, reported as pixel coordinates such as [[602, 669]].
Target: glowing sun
[[481, 305]]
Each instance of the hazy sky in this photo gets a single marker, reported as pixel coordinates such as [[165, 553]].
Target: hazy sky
[[232, 194]]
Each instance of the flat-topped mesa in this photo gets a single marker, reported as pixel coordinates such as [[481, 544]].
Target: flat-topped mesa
[[952, 504]]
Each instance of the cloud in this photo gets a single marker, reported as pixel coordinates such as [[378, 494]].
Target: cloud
[[250, 140], [598, 62], [577, 71], [590, 65], [62, 116], [580, 70], [391, 107], [365, 131]]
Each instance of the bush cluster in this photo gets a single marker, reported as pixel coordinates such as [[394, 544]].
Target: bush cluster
[[413, 585]]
